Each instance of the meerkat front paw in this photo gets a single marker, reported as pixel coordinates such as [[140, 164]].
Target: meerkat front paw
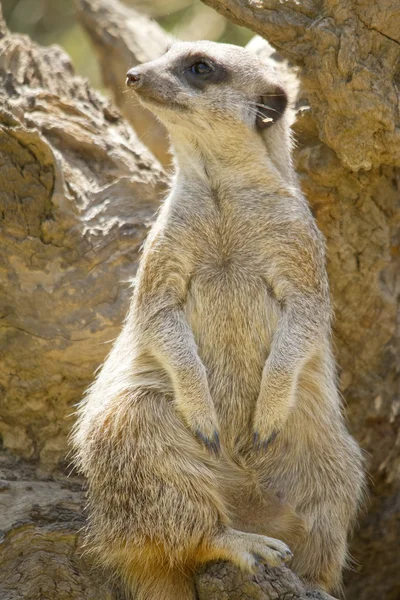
[[262, 550], [200, 417], [205, 429], [266, 428], [211, 442]]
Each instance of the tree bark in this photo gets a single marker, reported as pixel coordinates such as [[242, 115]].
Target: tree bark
[[77, 193], [122, 39]]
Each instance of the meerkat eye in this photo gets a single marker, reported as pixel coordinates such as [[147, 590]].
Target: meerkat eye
[[201, 72], [201, 68]]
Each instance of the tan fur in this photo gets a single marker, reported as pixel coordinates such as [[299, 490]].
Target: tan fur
[[228, 331]]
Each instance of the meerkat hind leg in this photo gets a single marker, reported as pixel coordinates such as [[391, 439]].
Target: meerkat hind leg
[[246, 550]]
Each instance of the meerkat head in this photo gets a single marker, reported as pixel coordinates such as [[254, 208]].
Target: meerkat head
[[217, 93], [204, 83]]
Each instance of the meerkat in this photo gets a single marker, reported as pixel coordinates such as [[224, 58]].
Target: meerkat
[[214, 430]]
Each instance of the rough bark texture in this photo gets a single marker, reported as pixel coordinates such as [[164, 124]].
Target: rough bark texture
[[122, 39], [41, 554], [77, 191], [222, 581]]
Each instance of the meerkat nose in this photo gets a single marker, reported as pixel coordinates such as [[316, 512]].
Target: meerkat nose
[[132, 78]]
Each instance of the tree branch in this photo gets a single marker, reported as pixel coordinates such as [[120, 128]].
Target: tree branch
[[353, 95], [122, 39]]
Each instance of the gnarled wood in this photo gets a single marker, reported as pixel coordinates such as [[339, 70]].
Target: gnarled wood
[[122, 39], [77, 191]]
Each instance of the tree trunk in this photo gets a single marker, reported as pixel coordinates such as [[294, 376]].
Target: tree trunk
[[78, 191]]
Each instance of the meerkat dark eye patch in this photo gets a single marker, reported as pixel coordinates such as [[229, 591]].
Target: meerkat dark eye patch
[[270, 108], [200, 71]]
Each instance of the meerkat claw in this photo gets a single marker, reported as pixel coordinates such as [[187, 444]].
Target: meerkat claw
[[258, 558], [285, 556], [270, 440], [256, 441], [288, 555], [212, 444], [262, 445]]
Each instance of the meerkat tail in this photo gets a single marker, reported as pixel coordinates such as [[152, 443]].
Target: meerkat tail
[[161, 583]]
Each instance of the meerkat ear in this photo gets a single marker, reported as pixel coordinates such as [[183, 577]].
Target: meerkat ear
[[271, 107]]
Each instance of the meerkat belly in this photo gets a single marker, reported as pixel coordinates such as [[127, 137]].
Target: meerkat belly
[[233, 317]]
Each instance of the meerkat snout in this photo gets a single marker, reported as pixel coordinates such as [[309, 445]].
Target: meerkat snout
[[132, 78]]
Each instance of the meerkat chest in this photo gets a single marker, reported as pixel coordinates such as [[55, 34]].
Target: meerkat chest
[[228, 245], [227, 241], [230, 306]]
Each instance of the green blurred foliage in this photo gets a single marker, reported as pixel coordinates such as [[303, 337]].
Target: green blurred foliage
[[54, 22]]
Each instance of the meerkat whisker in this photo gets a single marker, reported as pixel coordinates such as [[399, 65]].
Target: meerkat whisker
[[265, 106]]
